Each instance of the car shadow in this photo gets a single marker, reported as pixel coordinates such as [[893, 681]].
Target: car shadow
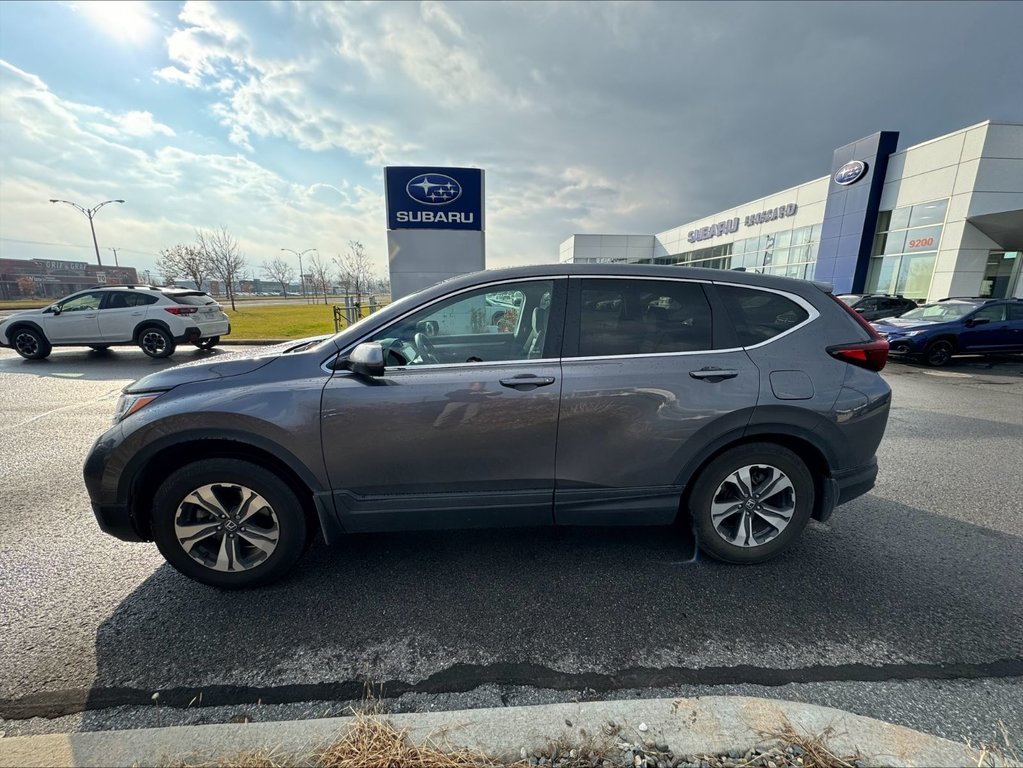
[[1005, 364], [106, 365], [882, 586]]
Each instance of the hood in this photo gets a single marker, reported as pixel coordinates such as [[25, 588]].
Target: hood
[[223, 366], [901, 324], [22, 313]]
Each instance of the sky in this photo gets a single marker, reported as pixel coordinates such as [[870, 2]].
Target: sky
[[275, 119]]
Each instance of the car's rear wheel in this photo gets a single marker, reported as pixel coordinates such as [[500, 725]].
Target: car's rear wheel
[[156, 342], [30, 344], [751, 503], [208, 342], [939, 353], [228, 523]]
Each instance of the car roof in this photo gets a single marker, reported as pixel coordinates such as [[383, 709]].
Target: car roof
[[753, 279]]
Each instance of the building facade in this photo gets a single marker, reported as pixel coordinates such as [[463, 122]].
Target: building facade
[[52, 279], [941, 218]]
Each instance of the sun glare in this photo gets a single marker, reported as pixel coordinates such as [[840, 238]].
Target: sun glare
[[124, 20]]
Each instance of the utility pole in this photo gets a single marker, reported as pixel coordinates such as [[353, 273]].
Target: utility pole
[[116, 264]]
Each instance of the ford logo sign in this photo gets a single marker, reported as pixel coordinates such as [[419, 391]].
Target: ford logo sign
[[850, 172], [434, 189]]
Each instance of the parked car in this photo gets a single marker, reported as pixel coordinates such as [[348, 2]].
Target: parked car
[[875, 306], [156, 319], [630, 396], [938, 332]]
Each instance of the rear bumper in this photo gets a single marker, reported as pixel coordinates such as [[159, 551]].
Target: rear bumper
[[853, 483]]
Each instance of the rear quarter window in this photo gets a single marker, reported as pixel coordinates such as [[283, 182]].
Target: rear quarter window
[[759, 315]]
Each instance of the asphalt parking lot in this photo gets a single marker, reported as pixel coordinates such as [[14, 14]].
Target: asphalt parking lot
[[905, 606]]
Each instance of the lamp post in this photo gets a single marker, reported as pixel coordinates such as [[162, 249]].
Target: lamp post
[[89, 214], [116, 263], [301, 272]]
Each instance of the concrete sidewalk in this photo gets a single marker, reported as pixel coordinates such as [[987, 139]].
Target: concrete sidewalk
[[712, 725]]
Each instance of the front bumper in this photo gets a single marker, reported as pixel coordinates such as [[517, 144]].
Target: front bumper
[[112, 514], [901, 346]]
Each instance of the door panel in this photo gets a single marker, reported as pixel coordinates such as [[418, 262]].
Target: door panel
[[443, 446], [435, 443], [77, 322], [993, 335], [630, 422]]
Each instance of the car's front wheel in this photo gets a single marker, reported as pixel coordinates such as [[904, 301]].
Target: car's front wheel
[[156, 342], [228, 523], [751, 503], [30, 344], [939, 353]]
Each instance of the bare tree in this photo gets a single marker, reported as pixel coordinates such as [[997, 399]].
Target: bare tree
[[356, 269], [187, 260], [320, 272], [281, 271], [225, 257]]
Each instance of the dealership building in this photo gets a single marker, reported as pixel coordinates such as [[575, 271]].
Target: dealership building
[[941, 218], [53, 278]]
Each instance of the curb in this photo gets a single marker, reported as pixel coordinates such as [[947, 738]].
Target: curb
[[251, 342], [701, 726]]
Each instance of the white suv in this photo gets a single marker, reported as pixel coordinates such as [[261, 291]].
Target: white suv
[[155, 319]]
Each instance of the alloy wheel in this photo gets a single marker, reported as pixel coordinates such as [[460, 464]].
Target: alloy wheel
[[153, 342], [753, 505], [226, 527], [26, 344]]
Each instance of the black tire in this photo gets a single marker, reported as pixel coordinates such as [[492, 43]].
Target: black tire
[[170, 505], [156, 342], [30, 343], [712, 483], [939, 353], [208, 342], [99, 347]]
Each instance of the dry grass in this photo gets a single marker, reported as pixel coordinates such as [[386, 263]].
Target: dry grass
[[816, 753], [372, 741]]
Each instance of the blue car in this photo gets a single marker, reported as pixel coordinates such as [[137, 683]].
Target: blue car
[[955, 326]]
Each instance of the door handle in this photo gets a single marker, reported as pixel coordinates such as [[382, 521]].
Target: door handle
[[713, 374], [137, 314], [527, 381]]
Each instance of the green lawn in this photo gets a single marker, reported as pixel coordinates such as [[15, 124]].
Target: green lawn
[[293, 321]]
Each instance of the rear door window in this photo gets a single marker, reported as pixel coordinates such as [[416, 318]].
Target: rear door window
[[1015, 312], [638, 317], [760, 315]]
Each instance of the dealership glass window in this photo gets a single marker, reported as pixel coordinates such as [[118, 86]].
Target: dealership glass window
[[915, 273], [782, 239], [898, 219], [928, 213]]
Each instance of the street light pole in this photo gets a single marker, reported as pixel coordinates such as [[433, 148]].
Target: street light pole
[[89, 213], [116, 262], [301, 272]]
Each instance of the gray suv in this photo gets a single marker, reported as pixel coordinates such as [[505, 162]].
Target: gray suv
[[603, 395]]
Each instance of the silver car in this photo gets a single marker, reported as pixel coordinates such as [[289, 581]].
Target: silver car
[[625, 395], [154, 319]]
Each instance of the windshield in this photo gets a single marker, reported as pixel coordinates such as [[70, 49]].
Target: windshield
[[938, 313]]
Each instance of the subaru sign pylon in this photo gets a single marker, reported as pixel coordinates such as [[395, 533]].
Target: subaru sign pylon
[[435, 226]]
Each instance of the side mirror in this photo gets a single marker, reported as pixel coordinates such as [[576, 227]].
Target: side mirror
[[977, 321], [367, 359], [54, 308], [859, 310]]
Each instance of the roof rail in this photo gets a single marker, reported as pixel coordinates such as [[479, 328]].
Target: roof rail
[[969, 298], [125, 285]]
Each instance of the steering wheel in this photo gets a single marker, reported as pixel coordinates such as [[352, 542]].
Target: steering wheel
[[427, 352]]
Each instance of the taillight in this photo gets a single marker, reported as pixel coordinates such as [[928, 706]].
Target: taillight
[[181, 310], [872, 355]]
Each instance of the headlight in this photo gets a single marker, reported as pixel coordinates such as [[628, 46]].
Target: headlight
[[129, 404], [910, 333]]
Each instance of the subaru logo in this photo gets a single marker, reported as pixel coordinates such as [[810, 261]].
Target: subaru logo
[[434, 189], [850, 172]]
